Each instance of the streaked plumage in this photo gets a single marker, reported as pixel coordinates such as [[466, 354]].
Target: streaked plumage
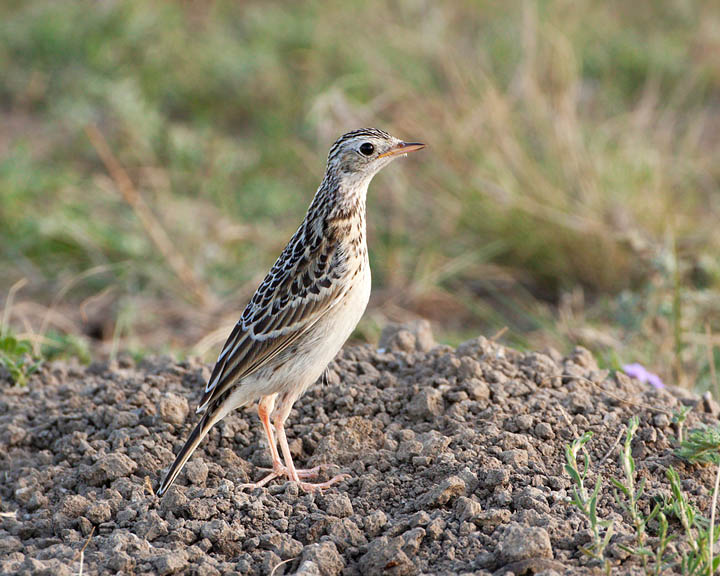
[[306, 307]]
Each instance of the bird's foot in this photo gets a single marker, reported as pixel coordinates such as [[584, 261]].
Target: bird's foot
[[279, 469], [310, 487], [260, 483]]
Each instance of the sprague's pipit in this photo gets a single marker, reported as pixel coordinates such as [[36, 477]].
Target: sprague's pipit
[[304, 310]]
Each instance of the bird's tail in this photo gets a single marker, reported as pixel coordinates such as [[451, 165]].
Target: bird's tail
[[208, 420]]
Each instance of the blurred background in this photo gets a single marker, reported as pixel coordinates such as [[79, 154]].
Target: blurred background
[[156, 156]]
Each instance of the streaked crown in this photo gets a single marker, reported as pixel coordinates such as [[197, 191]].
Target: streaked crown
[[363, 152]]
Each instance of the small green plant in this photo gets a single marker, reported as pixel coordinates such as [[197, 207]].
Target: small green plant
[[702, 445], [630, 505], [627, 487], [17, 358], [663, 541], [587, 503], [698, 532], [696, 557], [62, 345], [633, 494], [679, 418]]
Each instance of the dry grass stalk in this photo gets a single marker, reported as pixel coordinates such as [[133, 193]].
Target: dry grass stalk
[[8, 306], [82, 551], [152, 226], [51, 316], [711, 360], [712, 517]]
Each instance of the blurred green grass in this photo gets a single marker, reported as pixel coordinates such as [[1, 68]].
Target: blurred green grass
[[569, 191]]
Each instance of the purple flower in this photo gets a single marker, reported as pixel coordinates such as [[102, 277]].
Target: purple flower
[[639, 372]]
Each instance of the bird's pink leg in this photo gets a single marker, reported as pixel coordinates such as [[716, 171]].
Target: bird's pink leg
[[293, 474], [265, 407]]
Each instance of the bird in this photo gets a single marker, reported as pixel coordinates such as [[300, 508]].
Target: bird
[[304, 310]]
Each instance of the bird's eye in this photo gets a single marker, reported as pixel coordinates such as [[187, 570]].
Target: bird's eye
[[367, 149]]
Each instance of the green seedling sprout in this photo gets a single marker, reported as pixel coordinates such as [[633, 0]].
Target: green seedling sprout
[[703, 445], [679, 418], [587, 504], [630, 504], [16, 356]]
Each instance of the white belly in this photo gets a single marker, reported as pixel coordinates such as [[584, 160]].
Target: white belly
[[330, 333], [344, 319]]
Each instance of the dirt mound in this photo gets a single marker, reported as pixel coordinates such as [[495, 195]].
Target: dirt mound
[[456, 460]]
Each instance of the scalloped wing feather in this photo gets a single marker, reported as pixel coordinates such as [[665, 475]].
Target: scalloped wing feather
[[297, 292]]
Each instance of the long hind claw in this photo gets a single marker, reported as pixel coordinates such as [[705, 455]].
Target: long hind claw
[[310, 487], [280, 469], [260, 483], [308, 474]]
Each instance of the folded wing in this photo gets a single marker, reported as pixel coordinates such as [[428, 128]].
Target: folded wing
[[302, 286]]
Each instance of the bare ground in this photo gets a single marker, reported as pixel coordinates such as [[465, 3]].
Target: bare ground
[[456, 461]]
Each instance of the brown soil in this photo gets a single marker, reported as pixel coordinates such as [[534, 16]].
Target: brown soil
[[456, 460]]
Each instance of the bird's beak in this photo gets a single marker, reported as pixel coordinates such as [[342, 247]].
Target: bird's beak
[[402, 148]]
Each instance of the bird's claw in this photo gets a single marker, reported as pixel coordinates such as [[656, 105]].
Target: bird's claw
[[310, 487], [280, 469]]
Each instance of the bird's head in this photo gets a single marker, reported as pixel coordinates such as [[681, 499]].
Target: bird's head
[[358, 155]]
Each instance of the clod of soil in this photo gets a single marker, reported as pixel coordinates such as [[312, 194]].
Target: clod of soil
[[456, 460]]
